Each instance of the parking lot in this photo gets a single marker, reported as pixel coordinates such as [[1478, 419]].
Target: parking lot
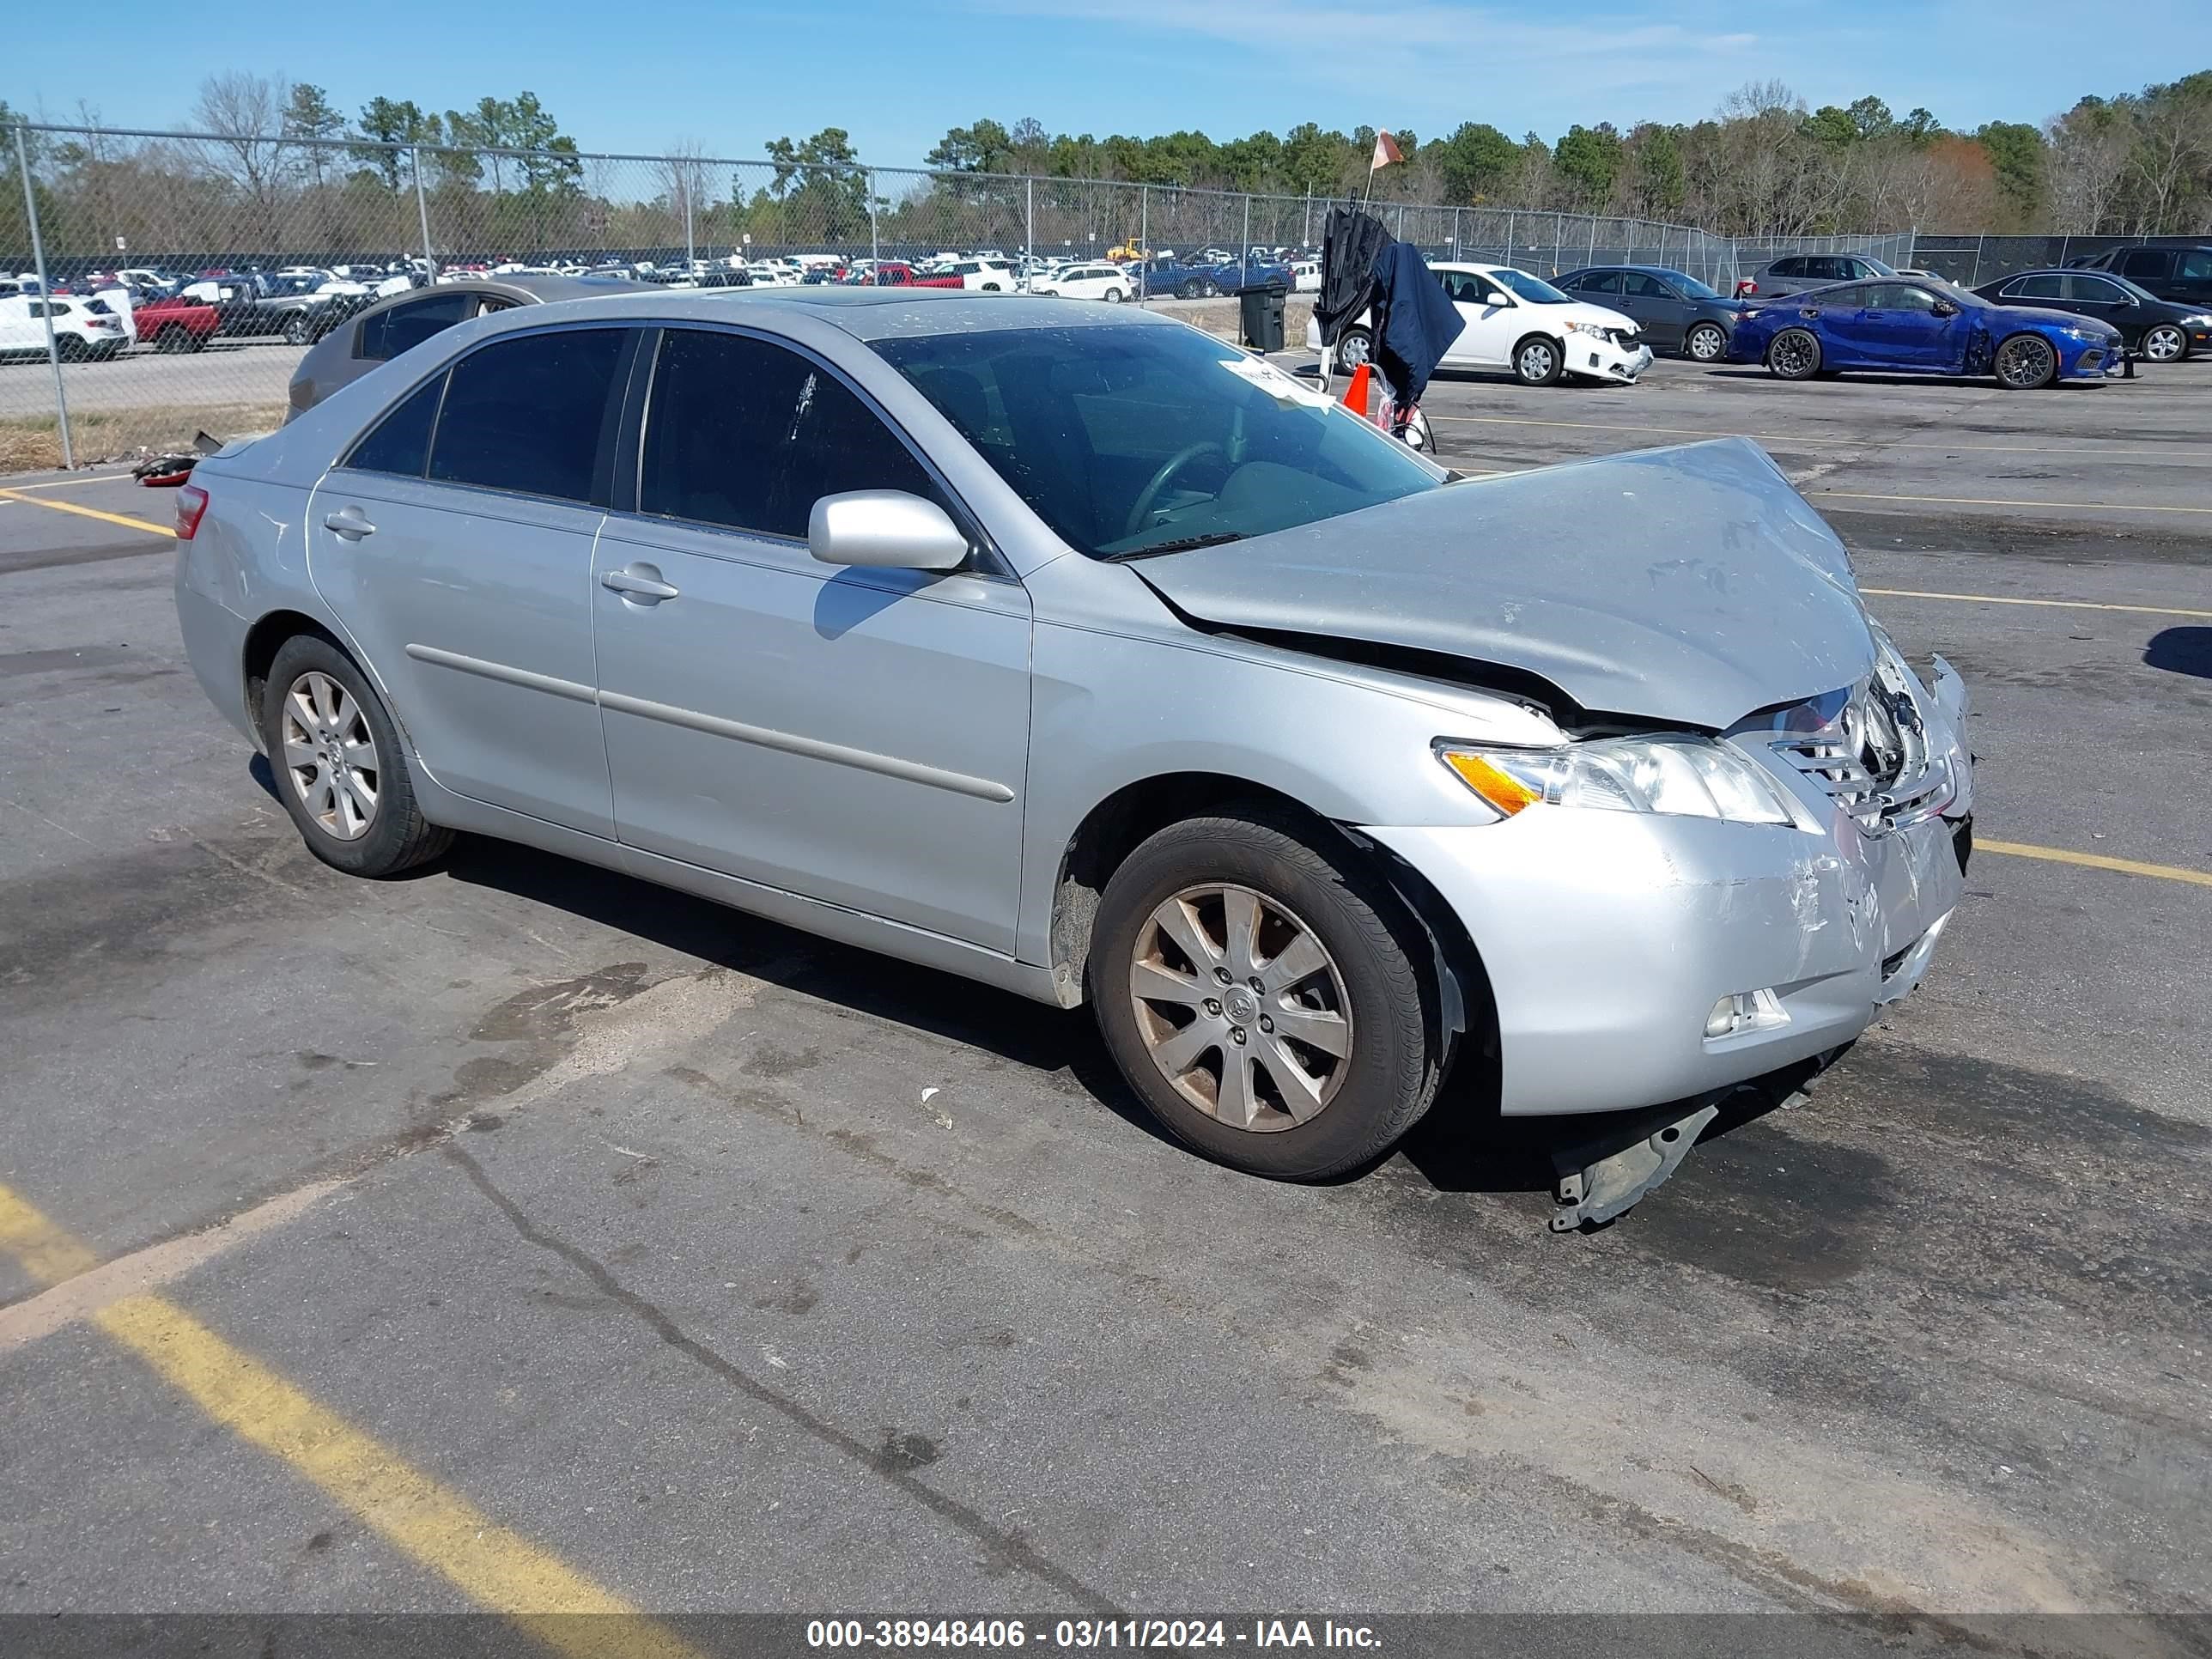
[[522, 1238]]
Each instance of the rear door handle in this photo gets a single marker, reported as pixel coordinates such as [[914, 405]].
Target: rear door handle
[[640, 584], [348, 524]]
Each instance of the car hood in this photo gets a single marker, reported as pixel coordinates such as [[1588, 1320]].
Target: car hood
[[1689, 586], [2002, 317]]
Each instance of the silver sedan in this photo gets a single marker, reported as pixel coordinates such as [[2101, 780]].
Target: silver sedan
[[1072, 650]]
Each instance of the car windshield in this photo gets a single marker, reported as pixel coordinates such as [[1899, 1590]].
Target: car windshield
[[1532, 288], [1130, 439], [1690, 286]]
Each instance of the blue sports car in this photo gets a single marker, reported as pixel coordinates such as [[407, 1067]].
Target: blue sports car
[[1900, 326]]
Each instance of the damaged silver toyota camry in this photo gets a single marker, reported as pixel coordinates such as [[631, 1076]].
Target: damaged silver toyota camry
[[1077, 653]]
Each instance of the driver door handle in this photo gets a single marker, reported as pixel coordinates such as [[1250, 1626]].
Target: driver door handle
[[348, 524], [639, 583]]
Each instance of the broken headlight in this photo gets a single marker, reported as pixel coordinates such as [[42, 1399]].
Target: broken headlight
[[1680, 775]]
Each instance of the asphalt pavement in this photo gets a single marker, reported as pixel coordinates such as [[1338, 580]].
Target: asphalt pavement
[[587, 1240]]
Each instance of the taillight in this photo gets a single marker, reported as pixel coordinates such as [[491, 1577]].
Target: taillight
[[1745, 287], [191, 506]]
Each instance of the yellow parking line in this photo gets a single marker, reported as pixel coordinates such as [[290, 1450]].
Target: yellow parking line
[[2057, 604], [2094, 861], [63, 483], [438, 1529], [1789, 439], [1991, 500], [125, 520]]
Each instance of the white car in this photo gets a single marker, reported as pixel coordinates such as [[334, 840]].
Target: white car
[[1305, 276], [86, 329], [1517, 322], [983, 276], [1098, 282]]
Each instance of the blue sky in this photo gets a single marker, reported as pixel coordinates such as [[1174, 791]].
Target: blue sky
[[896, 73]]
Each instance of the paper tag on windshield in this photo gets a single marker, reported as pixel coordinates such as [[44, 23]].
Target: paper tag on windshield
[[1286, 389]]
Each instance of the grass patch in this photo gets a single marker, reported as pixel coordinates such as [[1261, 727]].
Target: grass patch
[[33, 443]]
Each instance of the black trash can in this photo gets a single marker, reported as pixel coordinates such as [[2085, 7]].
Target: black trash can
[[1261, 306]]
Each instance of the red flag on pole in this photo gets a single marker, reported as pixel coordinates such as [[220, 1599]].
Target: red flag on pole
[[1386, 151]]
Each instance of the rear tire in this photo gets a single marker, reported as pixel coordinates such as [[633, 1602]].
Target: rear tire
[[175, 337], [1337, 961], [1793, 355], [298, 330], [1115, 296], [1538, 360], [1706, 342], [317, 703]]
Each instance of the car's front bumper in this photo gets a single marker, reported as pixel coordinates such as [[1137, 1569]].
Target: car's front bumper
[[1600, 359], [1607, 939]]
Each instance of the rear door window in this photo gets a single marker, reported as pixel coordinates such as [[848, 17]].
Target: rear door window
[[2098, 291], [1599, 281], [749, 435], [532, 413], [2152, 263]]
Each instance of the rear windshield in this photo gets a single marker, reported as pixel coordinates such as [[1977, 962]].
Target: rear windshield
[[1128, 438]]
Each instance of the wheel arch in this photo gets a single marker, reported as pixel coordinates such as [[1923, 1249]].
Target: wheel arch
[[1118, 824]]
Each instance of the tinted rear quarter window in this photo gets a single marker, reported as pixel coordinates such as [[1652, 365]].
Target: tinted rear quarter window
[[400, 442], [531, 414], [2149, 261], [748, 434]]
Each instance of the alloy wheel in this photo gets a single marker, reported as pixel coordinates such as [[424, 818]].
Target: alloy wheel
[[1793, 355], [329, 756], [1536, 360], [2025, 361], [2164, 343], [1354, 349], [1707, 343], [1240, 1006]]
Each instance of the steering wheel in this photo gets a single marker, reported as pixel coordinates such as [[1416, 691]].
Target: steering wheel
[[1161, 479]]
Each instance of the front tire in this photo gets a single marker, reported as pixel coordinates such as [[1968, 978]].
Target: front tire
[[340, 769], [173, 337], [1793, 355], [298, 330], [2164, 343], [1264, 998], [1539, 361], [1707, 342], [2026, 362]]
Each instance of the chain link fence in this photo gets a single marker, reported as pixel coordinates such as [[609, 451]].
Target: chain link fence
[[156, 284], [1970, 260]]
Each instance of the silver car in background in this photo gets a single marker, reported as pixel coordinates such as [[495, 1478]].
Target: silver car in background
[[1070, 649]]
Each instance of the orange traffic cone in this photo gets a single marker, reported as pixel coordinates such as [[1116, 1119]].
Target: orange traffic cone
[[1355, 395]]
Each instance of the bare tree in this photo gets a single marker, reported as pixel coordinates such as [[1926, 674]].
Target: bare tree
[[244, 114]]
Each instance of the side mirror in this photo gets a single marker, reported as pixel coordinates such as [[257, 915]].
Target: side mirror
[[1944, 308], [885, 529]]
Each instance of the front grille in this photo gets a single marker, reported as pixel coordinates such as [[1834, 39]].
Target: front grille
[[1869, 752]]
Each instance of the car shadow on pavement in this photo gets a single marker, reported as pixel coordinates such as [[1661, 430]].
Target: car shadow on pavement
[[2181, 651], [1027, 1034]]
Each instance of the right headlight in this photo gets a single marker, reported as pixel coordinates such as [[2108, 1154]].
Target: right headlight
[[1679, 774]]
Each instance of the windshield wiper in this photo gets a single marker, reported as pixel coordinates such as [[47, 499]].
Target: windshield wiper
[[1184, 544]]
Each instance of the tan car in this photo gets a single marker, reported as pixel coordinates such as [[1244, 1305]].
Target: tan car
[[383, 331]]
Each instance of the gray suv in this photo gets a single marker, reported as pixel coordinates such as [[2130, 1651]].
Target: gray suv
[[1067, 648], [1795, 273]]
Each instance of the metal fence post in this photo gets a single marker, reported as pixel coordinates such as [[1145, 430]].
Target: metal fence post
[[1029, 220], [1244, 247], [46, 288], [422, 214], [1590, 257], [875, 237], [1145, 242], [691, 247]]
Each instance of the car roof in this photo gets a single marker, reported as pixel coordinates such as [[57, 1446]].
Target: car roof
[[873, 313]]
